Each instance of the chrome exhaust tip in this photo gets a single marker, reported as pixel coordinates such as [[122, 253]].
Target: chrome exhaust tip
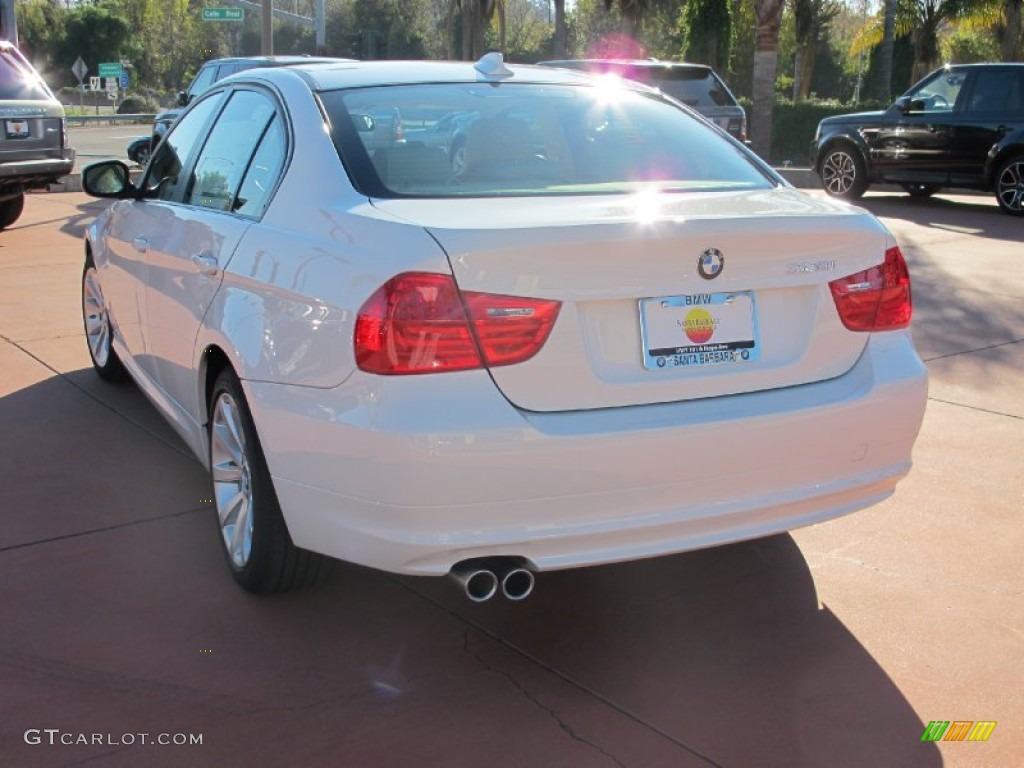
[[517, 584], [479, 584]]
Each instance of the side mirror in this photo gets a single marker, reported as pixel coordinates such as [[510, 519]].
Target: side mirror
[[902, 104], [110, 178], [183, 98]]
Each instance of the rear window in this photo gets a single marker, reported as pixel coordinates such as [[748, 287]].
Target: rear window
[[513, 139], [695, 88], [18, 81]]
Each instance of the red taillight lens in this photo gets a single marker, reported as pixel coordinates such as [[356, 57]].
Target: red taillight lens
[[877, 299], [418, 323]]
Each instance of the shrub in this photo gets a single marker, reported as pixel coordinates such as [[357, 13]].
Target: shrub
[[138, 104]]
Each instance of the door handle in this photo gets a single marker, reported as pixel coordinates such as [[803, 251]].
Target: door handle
[[141, 244], [206, 262]]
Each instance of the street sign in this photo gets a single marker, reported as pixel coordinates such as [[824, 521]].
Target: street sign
[[110, 69], [124, 80], [112, 83], [223, 14], [79, 69], [112, 95], [95, 84]]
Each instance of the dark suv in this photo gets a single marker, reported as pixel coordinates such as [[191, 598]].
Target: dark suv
[[212, 71], [34, 148], [695, 85], [962, 126]]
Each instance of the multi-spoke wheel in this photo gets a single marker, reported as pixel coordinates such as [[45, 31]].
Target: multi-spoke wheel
[[1010, 186], [842, 172], [256, 542], [98, 332]]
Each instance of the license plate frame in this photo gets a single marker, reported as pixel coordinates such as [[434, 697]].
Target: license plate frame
[[699, 330]]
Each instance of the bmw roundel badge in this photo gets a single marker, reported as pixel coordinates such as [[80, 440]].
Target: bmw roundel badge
[[710, 263]]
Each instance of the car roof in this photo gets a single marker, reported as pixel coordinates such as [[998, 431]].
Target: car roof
[[274, 61], [354, 74], [634, 63]]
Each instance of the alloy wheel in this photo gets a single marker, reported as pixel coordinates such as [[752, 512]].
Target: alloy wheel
[[839, 173], [232, 480], [97, 323], [1010, 186]]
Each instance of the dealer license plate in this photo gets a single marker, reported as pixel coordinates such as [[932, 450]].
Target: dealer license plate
[[699, 329], [16, 129]]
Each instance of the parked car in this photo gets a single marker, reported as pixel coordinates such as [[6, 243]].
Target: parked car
[[34, 149], [210, 73], [961, 126], [695, 85], [617, 334]]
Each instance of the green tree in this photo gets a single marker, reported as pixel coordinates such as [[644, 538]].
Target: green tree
[[96, 33], [708, 32]]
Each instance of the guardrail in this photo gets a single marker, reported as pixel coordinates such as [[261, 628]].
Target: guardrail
[[107, 119]]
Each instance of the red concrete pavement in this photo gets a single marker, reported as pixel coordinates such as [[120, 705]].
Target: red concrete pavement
[[831, 647]]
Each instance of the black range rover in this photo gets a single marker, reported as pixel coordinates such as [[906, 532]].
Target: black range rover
[[961, 126]]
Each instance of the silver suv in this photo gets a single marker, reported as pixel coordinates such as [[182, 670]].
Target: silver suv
[[34, 148], [695, 85]]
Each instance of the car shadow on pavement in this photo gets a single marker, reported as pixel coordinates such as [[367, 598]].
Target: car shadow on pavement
[[128, 621], [983, 217], [725, 650]]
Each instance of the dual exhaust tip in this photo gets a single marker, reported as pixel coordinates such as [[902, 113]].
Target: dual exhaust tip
[[481, 579]]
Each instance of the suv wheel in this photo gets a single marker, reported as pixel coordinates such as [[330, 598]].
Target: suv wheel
[[10, 210], [1010, 186], [842, 172]]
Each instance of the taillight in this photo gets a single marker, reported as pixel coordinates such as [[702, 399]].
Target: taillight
[[877, 299], [418, 323]]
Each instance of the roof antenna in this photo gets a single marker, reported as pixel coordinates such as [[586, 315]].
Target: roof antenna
[[493, 65]]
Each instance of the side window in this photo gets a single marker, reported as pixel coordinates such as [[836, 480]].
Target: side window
[[991, 90], [225, 158], [207, 76], [164, 175], [264, 171]]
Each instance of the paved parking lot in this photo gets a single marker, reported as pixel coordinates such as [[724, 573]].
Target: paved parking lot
[[833, 646]]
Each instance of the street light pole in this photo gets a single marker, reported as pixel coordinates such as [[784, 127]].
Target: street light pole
[[267, 26]]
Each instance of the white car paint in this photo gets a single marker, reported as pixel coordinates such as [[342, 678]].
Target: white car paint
[[578, 456]]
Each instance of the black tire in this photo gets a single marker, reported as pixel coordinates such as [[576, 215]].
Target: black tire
[[921, 191], [99, 333], [10, 210], [842, 172], [1009, 186], [271, 562]]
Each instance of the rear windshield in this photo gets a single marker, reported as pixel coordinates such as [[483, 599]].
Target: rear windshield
[[510, 139], [18, 81], [695, 88]]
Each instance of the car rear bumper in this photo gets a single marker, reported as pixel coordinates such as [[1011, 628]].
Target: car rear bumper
[[39, 171], [413, 474]]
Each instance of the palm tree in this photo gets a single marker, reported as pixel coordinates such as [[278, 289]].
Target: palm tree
[[766, 61], [885, 53], [561, 32], [476, 18], [1011, 43], [922, 20]]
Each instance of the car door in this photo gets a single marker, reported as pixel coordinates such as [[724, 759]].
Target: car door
[[134, 225], [913, 143], [210, 212], [992, 109]]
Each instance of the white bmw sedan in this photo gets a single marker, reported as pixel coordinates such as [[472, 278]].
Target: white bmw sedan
[[585, 326]]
